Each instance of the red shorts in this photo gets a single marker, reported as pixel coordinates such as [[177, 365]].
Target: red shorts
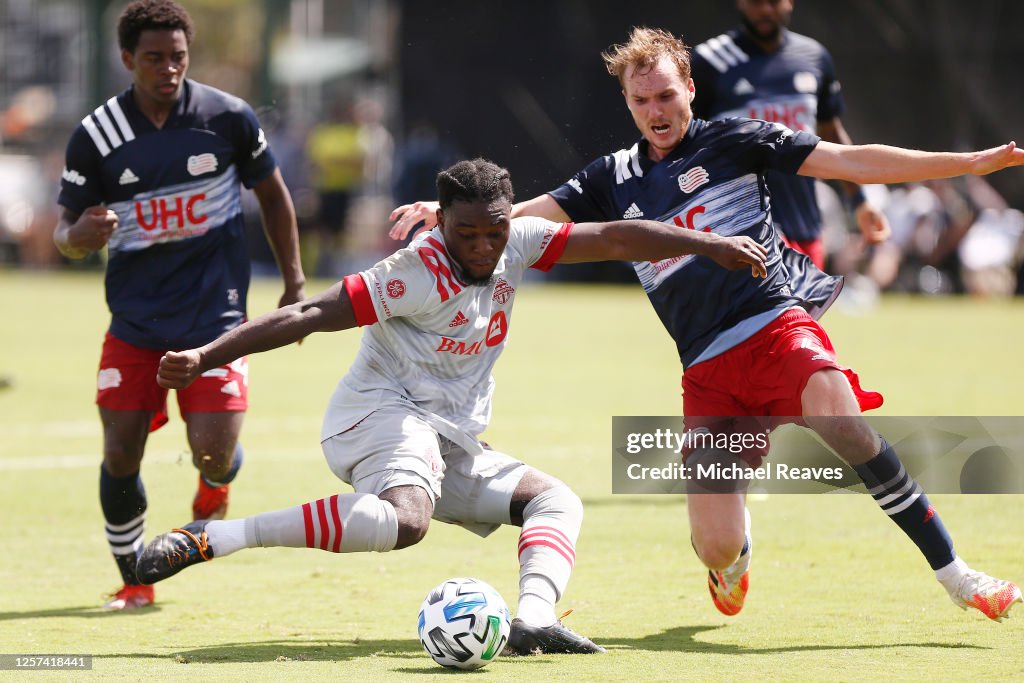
[[763, 378], [127, 381], [813, 248]]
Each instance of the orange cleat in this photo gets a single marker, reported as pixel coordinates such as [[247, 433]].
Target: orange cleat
[[992, 597], [131, 596], [728, 599], [210, 502]]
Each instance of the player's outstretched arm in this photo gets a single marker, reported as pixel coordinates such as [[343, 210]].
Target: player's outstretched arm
[[885, 164], [326, 312], [654, 241]]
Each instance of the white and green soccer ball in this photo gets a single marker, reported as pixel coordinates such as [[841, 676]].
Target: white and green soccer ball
[[464, 623]]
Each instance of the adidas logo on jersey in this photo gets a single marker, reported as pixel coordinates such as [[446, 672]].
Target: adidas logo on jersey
[[742, 87], [72, 176], [459, 319], [633, 212], [127, 178]]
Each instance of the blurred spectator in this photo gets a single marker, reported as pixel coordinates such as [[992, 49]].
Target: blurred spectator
[[948, 236], [337, 157], [367, 239]]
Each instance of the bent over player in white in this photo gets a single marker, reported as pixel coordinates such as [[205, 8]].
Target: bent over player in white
[[402, 426]]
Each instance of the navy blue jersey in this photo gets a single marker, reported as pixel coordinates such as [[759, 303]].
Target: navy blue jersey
[[713, 181], [178, 271], [795, 86]]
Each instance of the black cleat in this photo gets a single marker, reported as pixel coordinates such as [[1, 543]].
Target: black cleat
[[169, 553], [544, 640]]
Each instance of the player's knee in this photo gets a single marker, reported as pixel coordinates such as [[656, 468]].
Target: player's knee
[[413, 509], [558, 500], [718, 552], [412, 527]]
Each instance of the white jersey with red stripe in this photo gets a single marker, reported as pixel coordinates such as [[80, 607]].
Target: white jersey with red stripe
[[431, 340]]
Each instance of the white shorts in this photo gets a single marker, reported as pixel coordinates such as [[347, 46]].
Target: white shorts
[[391, 447]]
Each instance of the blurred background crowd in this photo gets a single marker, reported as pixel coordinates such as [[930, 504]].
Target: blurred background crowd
[[363, 101]]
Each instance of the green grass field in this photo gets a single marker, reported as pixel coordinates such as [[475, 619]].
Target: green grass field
[[837, 592]]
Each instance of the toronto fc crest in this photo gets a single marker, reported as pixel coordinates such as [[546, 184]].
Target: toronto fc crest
[[503, 291]]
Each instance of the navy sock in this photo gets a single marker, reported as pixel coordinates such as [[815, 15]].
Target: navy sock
[[123, 500], [236, 464], [902, 499]]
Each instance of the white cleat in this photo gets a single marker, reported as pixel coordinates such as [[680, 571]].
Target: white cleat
[[992, 597]]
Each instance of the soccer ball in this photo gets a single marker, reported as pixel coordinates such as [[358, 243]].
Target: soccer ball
[[464, 623]]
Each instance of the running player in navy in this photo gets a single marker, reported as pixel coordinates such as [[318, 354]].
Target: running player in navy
[[762, 70], [153, 174], [752, 347]]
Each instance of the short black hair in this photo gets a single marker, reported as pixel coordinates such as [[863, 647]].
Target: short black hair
[[473, 181], [151, 15]]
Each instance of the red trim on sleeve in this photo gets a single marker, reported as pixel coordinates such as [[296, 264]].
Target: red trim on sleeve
[[362, 304], [554, 249]]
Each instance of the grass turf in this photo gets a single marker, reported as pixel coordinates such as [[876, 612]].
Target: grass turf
[[837, 592]]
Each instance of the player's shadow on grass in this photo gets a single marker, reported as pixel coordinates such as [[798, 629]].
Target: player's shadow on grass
[[684, 639], [320, 650], [83, 612]]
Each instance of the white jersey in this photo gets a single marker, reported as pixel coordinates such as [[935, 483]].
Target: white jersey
[[431, 340]]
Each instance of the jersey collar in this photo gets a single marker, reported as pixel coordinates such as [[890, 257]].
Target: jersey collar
[[141, 122]]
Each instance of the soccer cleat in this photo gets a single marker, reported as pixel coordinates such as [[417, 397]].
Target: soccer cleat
[[728, 599], [131, 596], [524, 640], [210, 502], [992, 597], [169, 553]]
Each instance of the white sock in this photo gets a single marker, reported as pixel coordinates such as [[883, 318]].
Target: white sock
[[951, 575], [537, 597], [547, 552], [734, 572], [226, 536]]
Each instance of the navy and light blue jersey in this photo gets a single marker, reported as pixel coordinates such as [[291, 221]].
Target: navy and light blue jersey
[[795, 86], [178, 269], [713, 181]]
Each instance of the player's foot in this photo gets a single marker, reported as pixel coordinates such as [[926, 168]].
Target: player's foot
[[728, 598], [542, 640], [210, 502], [169, 553], [131, 596], [992, 597]]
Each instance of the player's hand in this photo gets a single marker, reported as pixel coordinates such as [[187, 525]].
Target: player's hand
[[93, 228], [178, 369], [738, 252], [292, 296], [408, 216], [873, 224], [990, 160]]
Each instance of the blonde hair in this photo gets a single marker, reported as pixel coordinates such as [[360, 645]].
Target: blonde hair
[[643, 50]]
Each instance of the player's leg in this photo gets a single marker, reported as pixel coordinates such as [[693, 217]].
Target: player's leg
[[484, 491], [720, 534], [123, 499], [831, 409], [392, 461], [131, 404], [213, 408]]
